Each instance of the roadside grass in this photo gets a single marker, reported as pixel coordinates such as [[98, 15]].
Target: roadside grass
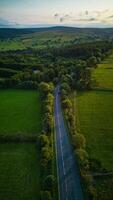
[[94, 114], [20, 112], [19, 172], [103, 74]]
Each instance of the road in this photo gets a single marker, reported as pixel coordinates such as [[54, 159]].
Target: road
[[68, 175]]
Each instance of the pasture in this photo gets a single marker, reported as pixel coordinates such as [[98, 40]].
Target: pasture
[[20, 112], [103, 74], [19, 172], [94, 119]]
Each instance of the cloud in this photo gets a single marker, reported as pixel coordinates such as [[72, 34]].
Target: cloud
[[56, 15], [86, 12], [104, 16], [111, 16], [4, 22], [7, 24]]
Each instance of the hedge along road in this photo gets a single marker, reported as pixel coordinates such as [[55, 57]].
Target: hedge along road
[[68, 174]]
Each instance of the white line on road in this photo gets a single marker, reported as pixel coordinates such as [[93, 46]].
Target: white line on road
[[64, 171], [60, 140]]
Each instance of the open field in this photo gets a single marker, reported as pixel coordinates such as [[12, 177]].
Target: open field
[[95, 121], [103, 74], [20, 112], [19, 172]]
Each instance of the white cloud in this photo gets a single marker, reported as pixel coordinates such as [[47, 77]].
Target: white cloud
[[105, 17]]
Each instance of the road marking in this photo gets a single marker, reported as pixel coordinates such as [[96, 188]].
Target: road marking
[[64, 171], [60, 141]]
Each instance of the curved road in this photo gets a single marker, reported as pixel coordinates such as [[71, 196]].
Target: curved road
[[68, 175]]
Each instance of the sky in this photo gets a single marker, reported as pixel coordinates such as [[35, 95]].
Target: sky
[[78, 13]]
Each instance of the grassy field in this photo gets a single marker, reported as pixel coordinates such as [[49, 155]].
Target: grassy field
[[95, 121], [103, 74], [19, 172], [11, 44], [94, 117], [20, 112]]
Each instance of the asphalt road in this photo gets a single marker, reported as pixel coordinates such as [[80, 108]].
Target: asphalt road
[[68, 175]]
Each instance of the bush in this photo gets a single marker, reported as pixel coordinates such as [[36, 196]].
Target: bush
[[50, 183], [46, 195], [46, 153], [48, 109], [46, 87], [92, 192], [82, 157], [43, 140], [78, 141], [67, 104]]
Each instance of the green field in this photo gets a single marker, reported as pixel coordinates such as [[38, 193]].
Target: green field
[[103, 74], [13, 44], [20, 112], [95, 121], [94, 117], [19, 172]]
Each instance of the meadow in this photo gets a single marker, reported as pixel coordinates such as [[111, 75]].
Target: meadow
[[19, 172], [94, 120], [103, 74], [20, 112], [94, 114]]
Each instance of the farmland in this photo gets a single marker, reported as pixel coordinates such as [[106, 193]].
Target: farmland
[[94, 120], [33, 60], [103, 74], [20, 112], [19, 172]]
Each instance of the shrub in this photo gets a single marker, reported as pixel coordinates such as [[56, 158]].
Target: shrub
[[46, 195], [78, 141], [82, 157], [67, 104], [49, 183], [92, 192], [43, 140], [46, 153]]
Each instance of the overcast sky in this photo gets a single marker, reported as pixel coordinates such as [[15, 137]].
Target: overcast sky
[[80, 13]]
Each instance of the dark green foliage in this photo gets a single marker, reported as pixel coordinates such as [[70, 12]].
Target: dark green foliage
[[78, 141], [6, 73], [46, 195], [49, 183]]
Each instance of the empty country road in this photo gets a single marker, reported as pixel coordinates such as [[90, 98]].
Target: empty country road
[[68, 175]]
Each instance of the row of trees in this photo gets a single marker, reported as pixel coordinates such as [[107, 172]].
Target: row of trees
[[45, 143]]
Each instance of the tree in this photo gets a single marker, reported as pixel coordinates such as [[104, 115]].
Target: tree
[[65, 86], [48, 122], [78, 141], [44, 87], [43, 140], [82, 157], [92, 61], [46, 195], [67, 104], [48, 109], [50, 183], [46, 153]]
